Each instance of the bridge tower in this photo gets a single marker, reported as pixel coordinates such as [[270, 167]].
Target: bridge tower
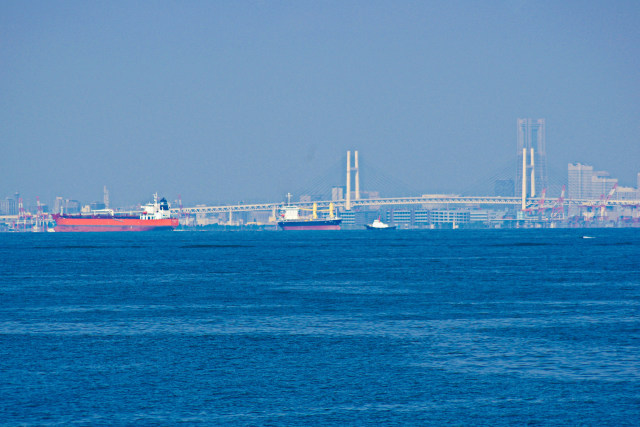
[[530, 190], [531, 142], [357, 179]]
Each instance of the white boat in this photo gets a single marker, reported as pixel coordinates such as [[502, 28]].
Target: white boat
[[379, 225]]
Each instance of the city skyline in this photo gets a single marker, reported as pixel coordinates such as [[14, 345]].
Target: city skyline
[[582, 182]]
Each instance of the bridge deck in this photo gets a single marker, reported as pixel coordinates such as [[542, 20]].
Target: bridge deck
[[452, 200]]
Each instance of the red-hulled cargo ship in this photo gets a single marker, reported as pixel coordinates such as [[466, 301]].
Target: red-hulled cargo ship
[[154, 217], [291, 220]]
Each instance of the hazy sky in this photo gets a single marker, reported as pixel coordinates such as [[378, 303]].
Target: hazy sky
[[231, 100]]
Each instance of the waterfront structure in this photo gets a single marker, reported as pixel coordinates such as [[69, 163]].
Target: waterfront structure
[[455, 217], [401, 217], [421, 217], [348, 217], [479, 215]]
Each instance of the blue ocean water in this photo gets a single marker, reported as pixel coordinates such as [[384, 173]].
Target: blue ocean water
[[462, 327]]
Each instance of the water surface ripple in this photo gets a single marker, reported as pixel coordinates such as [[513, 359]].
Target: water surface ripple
[[488, 327]]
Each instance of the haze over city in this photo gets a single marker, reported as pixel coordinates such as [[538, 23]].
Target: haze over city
[[229, 101]]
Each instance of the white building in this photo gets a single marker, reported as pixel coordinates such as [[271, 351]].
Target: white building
[[585, 183], [579, 181], [625, 193], [457, 216], [601, 184]]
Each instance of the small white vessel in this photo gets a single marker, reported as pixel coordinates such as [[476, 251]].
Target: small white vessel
[[379, 225]]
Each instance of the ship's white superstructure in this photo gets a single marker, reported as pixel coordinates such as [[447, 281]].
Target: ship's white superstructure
[[377, 224], [156, 210]]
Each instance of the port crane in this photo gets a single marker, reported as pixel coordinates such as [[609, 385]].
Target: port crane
[[557, 211], [182, 214], [541, 202], [314, 211], [597, 209], [606, 201], [537, 207]]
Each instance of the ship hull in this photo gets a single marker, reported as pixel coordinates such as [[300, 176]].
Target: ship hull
[[69, 224], [329, 224]]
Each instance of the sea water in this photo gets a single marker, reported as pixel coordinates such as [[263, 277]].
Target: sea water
[[462, 327]]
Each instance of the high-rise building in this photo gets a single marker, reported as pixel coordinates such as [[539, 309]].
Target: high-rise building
[[105, 198], [580, 177], [8, 206], [72, 207], [58, 205], [337, 193], [601, 184], [625, 193], [531, 135]]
